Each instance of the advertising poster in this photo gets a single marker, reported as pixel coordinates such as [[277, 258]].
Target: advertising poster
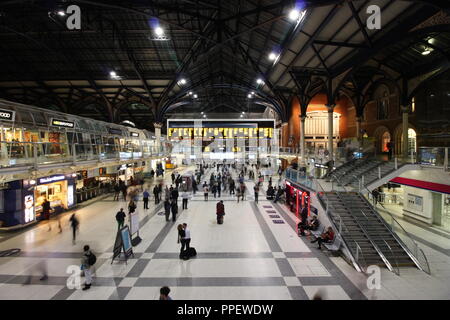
[[126, 240], [70, 198], [29, 208], [134, 221]]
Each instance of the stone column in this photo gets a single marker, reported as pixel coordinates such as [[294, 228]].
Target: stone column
[[282, 130], [302, 138], [405, 127], [158, 126], [358, 128], [330, 108]]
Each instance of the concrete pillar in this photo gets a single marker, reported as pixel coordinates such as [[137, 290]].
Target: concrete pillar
[[330, 108], [405, 127], [158, 126], [302, 138]]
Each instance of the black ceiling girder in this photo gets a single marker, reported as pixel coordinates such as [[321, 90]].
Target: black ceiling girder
[[308, 43], [362, 28], [339, 44]]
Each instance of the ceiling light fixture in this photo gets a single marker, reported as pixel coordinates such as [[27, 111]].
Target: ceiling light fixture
[[61, 13], [294, 14], [159, 31], [426, 52], [249, 96], [273, 56], [259, 81], [195, 96]]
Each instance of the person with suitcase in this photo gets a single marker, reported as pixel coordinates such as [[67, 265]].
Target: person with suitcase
[[182, 240], [220, 212]]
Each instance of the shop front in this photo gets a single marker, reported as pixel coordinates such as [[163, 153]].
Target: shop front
[[21, 202], [297, 198], [424, 201]]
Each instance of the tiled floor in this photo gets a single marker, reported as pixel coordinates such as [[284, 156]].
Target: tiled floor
[[248, 257]]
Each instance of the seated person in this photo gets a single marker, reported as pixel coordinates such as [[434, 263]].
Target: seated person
[[311, 225], [270, 193], [325, 237]]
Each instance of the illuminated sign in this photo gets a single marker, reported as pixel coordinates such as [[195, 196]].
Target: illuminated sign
[[7, 115], [134, 134], [51, 179], [70, 199], [29, 208], [63, 123]]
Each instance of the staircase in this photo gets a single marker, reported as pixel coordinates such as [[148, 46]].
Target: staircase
[[361, 226], [344, 169]]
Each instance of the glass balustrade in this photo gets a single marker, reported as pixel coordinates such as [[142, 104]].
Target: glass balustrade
[[41, 153]]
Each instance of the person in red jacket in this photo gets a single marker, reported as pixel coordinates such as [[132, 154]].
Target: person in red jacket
[[220, 212], [325, 237]]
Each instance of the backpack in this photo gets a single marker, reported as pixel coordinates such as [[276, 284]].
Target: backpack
[[92, 259]]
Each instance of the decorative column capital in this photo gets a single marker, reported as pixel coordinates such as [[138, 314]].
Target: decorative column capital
[[284, 124], [302, 117], [405, 108], [158, 125], [330, 107]]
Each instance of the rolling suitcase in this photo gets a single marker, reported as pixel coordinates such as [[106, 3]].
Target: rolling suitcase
[[191, 252]]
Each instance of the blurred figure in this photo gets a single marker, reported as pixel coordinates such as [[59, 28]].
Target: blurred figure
[[74, 223], [145, 196], [319, 295], [164, 293], [167, 208], [41, 268], [174, 208]]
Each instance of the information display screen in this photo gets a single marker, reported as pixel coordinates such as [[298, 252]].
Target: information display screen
[[126, 239]]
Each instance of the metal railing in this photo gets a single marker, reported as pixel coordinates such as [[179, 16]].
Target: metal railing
[[16, 153], [337, 221]]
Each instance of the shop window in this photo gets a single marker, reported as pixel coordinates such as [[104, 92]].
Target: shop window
[[385, 139]]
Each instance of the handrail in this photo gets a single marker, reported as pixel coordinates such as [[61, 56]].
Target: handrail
[[395, 258], [377, 249], [402, 243]]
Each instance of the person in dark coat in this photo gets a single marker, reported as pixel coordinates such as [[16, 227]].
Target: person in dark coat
[[46, 209], [120, 218], [174, 208], [167, 208], [304, 221], [75, 225], [220, 211]]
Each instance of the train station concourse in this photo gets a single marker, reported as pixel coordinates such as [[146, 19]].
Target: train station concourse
[[225, 150]]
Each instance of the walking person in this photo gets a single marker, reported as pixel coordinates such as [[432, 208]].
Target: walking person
[[131, 207], [145, 196], [124, 192], [205, 191], [120, 218], [238, 194], [220, 211], [156, 194], [174, 208], [214, 189], [74, 225], [116, 192], [256, 189], [167, 208], [46, 208], [173, 177], [185, 197], [87, 265]]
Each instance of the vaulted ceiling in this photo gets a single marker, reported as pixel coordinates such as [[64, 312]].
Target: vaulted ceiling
[[220, 47]]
